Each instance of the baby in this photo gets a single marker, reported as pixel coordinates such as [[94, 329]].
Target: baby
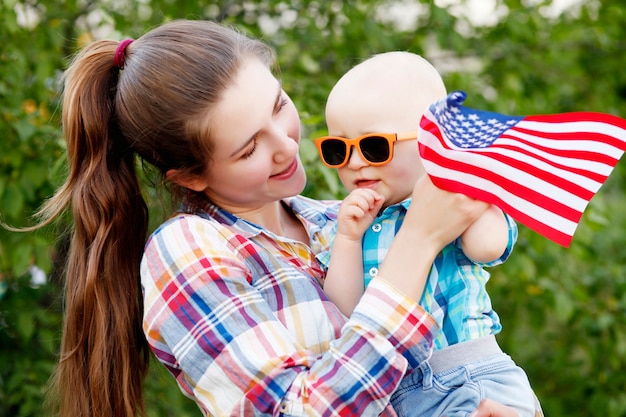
[[372, 114]]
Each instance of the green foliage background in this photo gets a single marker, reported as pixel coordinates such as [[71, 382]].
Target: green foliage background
[[563, 310]]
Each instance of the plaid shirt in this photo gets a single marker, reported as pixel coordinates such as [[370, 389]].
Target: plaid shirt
[[238, 316], [455, 293]]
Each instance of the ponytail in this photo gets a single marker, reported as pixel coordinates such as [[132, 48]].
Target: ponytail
[[104, 354]]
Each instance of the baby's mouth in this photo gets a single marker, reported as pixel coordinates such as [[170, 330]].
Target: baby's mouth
[[365, 183]]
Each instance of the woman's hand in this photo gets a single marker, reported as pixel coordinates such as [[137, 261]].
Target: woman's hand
[[489, 408], [440, 216], [434, 219]]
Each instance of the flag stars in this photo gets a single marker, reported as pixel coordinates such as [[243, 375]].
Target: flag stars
[[469, 128]]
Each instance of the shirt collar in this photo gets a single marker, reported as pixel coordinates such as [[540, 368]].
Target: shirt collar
[[206, 209], [401, 206]]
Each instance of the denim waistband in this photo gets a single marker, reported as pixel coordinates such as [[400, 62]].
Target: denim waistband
[[461, 353]]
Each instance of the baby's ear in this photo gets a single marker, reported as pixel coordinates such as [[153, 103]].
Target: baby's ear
[[194, 183]]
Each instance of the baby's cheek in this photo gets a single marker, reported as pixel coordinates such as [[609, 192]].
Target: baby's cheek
[[346, 178]]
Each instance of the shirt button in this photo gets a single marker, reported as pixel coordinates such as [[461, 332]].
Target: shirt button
[[376, 227], [373, 271]]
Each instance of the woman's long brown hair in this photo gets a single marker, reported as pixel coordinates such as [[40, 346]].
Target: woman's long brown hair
[[155, 109], [104, 355]]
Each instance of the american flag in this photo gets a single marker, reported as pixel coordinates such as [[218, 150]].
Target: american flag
[[541, 170]]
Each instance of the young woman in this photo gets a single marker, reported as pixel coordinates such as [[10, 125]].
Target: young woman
[[228, 295]]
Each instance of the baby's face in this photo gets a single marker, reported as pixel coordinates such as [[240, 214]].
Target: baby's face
[[351, 114]]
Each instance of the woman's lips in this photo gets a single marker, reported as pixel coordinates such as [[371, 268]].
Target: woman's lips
[[287, 173]]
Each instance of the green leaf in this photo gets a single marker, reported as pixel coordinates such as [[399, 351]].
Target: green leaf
[[12, 200], [21, 258], [26, 325], [25, 130]]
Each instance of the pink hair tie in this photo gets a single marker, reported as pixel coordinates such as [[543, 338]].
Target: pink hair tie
[[120, 53]]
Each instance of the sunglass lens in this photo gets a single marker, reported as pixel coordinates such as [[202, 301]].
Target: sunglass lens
[[375, 149], [333, 151]]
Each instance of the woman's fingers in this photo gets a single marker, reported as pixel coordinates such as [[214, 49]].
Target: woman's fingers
[[489, 408], [447, 214]]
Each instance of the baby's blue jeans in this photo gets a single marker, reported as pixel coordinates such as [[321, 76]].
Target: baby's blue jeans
[[455, 379]]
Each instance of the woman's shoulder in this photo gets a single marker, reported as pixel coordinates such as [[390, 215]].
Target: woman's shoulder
[[192, 241]]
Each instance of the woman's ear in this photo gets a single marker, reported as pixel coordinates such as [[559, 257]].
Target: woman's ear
[[194, 183]]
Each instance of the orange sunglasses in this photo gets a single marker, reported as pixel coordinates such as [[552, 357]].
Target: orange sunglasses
[[375, 148]]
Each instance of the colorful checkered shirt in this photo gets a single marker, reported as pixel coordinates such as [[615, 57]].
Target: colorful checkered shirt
[[238, 316], [455, 293]]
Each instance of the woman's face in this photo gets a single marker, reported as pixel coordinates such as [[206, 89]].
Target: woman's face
[[255, 129]]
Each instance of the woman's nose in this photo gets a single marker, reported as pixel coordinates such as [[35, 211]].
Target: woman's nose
[[285, 147]]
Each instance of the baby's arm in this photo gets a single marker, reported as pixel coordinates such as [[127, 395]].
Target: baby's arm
[[344, 279], [486, 239]]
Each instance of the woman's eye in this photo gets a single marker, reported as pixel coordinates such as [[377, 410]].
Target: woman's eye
[[283, 102], [249, 153]]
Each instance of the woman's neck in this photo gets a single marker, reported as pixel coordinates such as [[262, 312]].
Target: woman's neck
[[278, 219]]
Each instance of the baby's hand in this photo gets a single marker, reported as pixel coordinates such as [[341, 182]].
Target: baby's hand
[[357, 212]]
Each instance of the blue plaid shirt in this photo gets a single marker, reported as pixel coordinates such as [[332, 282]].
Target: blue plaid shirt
[[455, 293]]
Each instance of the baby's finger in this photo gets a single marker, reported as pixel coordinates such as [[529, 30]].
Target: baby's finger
[[372, 197], [355, 208]]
